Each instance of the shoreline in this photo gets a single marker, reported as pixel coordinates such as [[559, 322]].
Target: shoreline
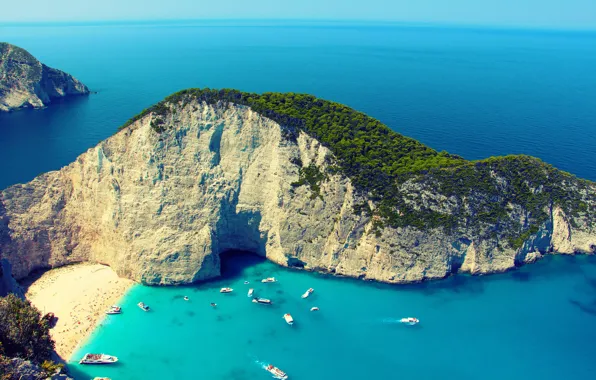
[[78, 295]]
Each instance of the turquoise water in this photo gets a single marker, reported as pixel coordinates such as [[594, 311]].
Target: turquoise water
[[474, 92], [536, 323]]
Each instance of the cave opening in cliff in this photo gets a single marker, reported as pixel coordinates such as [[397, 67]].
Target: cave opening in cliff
[[234, 263]]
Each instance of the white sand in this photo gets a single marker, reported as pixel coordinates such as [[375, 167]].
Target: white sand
[[78, 295]]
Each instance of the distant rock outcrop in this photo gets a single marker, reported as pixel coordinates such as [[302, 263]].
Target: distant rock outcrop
[[27, 83], [161, 200]]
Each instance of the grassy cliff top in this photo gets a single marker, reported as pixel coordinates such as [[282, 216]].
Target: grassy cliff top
[[18, 65], [381, 162]]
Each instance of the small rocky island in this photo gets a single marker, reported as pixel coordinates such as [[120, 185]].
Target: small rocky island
[[302, 181], [27, 83]]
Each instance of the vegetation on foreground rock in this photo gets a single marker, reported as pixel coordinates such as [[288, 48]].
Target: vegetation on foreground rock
[[394, 170], [24, 334]]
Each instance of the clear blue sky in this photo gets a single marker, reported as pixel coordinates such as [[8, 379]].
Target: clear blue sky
[[525, 13]]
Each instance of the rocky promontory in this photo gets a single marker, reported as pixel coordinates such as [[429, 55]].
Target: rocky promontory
[[27, 83], [304, 182]]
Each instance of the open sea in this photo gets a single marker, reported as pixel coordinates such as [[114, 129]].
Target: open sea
[[471, 91]]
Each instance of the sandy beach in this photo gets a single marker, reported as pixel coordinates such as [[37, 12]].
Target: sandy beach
[[78, 295]]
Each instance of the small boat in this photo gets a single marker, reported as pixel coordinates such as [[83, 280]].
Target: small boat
[[410, 321], [246, 282], [314, 308], [308, 293], [101, 378], [186, 298], [289, 319], [250, 292], [98, 359], [264, 301], [269, 279], [213, 304], [143, 306], [276, 372], [114, 309], [226, 290]]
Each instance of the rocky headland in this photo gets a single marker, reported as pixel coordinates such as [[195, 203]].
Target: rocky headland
[[27, 83], [301, 181]]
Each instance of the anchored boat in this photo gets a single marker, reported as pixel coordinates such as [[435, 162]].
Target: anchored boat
[[143, 306], [114, 309], [250, 292], [289, 319], [308, 293], [186, 298], [269, 279], [410, 321], [226, 290], [276, 372], [314, 308], [98, 359], [264, 301]]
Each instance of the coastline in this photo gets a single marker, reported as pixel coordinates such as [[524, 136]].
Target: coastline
[[78, 295]]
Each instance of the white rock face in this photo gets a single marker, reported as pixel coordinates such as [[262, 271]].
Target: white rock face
[[161, 208]]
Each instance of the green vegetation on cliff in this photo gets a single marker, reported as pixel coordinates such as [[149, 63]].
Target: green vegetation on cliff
[[394, 170], [23, 333]]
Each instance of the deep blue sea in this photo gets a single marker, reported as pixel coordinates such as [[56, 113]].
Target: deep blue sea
[[470, 91]]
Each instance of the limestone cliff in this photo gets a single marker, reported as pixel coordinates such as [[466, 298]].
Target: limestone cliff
[[161, 200], [26, 82]]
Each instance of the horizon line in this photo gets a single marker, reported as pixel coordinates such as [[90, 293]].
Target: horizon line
[[346, 21]]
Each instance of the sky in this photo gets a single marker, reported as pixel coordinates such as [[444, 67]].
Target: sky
[[565, 14]]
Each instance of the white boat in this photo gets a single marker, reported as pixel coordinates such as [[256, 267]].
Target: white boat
[[250, 292], [410, 321], [264, 301], [314, 308], [143, 306], [101, 378], [308, 293], [276, 372], [186, 298], [226, 290], [114, 310], [269, 279], [98, 359], [289, 319], [246, 282]]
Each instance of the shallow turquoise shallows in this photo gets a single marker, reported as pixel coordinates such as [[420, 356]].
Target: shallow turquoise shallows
[[473, 92], [536, 323]]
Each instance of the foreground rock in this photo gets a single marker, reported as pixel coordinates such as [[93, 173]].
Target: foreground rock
[[159, 205], [20, 369], [27, 83]]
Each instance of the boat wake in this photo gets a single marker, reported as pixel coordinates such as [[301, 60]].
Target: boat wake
[[391, 321], [397, 321]]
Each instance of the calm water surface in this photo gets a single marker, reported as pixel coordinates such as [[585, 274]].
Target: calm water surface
[[536, 323], [472, 92]]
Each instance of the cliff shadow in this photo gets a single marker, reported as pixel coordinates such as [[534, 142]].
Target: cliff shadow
[[236, 263]]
